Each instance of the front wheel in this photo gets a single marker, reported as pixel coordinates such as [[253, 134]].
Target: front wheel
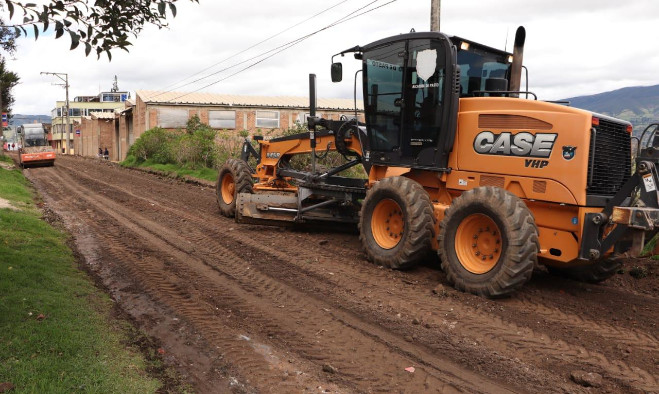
[[488, 242], [396, 224], [234, 177]]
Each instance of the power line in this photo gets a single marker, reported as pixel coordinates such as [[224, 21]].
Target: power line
[[253, 46], [283, 47]]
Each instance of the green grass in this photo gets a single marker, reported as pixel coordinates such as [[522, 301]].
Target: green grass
[[77, 346], [209, 174]]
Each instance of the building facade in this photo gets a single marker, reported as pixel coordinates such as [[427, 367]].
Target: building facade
[[80, 107], [267, 116], [255, 114], [96, 132]]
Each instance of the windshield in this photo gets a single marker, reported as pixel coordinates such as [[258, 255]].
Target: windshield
[[34, 137], [36, 142]]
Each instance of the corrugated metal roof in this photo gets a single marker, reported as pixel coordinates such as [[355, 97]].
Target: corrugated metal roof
[[174, 98], [102, 115]]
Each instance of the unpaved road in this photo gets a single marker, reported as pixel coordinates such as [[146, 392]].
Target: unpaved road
[[241, 308]]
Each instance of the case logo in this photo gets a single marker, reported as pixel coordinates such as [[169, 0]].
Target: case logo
[[522, 144], [568, 152]]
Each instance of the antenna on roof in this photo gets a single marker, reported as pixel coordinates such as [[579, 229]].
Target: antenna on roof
[[115, 85]]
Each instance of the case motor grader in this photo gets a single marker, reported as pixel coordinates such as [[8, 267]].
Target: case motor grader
[[459, 163]]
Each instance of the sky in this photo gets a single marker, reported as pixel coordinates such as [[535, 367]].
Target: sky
[[573, 47]]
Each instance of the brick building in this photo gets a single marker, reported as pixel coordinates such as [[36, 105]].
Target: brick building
[[96, 131], [171, 110], [118, 130], [82, 106]]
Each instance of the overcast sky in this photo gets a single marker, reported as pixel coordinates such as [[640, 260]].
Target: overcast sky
[[573, 47]]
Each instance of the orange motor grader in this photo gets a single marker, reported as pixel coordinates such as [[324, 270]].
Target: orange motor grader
[[462, 162]]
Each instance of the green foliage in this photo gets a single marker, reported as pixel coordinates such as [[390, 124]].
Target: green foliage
[[199, 146], [102, 25], [155, 144], [8, 80], [55, 334]]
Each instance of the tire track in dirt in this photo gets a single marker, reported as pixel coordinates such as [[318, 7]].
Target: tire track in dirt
[[150, 272], [343, 338], [629, 337], [513, 339], [619, 369]]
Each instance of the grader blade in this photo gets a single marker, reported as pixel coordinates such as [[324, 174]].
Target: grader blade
[[267, 208]]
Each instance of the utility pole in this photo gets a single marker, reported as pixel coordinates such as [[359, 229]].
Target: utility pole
[[65, 78], [435, 11]]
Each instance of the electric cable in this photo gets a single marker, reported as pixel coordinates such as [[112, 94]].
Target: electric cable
[[284, 47]]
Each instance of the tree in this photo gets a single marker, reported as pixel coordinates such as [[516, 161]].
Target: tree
[[100, 25], [8, 79]]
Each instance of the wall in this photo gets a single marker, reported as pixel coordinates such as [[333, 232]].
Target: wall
[[146, 116], [94, 134], [125, 123]]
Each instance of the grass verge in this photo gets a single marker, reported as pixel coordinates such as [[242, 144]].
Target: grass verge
[[209, 174], [56, 333]]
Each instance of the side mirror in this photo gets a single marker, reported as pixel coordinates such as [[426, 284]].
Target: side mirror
[[337, 72]]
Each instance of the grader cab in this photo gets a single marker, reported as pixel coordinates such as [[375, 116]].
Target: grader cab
[[462, 163]]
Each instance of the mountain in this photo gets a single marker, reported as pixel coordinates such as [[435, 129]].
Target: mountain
[[18, 119], [638, 105]]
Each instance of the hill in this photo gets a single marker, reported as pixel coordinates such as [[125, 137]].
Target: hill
[[638, 105], [18, 119]]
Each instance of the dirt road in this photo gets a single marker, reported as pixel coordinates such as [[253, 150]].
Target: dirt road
[[241, 308]]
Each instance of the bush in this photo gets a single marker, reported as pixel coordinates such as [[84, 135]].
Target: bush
[[199, 146], [155, 144]]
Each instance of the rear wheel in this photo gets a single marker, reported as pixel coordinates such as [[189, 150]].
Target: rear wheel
[[234, 177], [593, 273], [488, 242], [396, 223]]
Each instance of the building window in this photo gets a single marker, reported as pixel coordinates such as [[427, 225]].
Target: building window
[[171, 118], [267, 119], [303, 118], [222, 119]]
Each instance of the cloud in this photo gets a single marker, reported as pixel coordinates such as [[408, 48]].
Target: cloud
[[572, 47]]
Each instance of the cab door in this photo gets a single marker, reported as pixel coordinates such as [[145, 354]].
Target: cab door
[[406, 90]]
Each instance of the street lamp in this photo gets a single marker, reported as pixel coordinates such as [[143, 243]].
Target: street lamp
[[65, 78]]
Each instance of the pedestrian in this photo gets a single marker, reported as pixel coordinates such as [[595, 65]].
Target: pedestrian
[[100, 152], [106, 154], [13, 146]]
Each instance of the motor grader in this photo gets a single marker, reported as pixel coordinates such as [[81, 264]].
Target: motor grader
[[461, 162]]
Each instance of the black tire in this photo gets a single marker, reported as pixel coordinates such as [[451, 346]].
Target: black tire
[[415, 223], [496, 270], [593, 273], [237, 172]]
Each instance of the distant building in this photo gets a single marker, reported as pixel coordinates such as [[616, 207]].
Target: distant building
[[172, 110], [78, 108]]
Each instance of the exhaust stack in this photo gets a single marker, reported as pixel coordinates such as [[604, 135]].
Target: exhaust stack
[[518, 56]]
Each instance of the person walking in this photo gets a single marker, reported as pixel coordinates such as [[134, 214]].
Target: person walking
[[106, 154]]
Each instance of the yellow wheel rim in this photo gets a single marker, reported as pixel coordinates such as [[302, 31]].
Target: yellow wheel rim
[[227, 188], [478, 243], [387, 224]]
